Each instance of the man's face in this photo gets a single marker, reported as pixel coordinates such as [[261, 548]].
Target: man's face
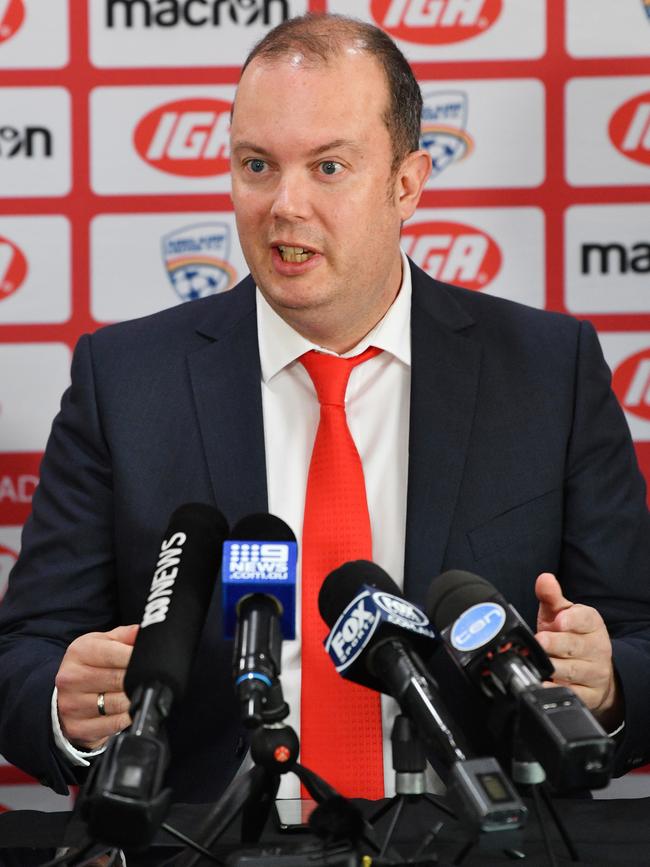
[[318, 209]]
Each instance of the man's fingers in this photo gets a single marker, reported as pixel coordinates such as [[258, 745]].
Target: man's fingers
[[124, 634], [97, 650], [91, 734], [77, 678], [85, 706], [563, 645], [581, 619], [551, 600]]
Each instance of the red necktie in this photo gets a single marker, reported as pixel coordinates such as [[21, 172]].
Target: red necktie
[[340, 722]]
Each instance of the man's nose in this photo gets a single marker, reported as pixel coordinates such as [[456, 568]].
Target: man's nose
[[291, 200]]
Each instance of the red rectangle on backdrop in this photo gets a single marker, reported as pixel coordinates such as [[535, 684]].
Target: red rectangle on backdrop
[[18, 481]]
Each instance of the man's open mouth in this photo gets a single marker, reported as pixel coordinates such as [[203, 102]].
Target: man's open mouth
[[294, 254]]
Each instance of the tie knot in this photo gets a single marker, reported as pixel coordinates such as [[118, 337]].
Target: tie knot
[[330, 373]]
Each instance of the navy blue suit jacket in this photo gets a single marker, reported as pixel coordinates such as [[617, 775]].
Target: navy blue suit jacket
[[520, 461]]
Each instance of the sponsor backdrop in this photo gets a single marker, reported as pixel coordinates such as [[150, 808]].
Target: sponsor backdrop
[[114, 184]]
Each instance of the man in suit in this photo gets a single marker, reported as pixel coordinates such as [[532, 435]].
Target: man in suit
[[509, 455]]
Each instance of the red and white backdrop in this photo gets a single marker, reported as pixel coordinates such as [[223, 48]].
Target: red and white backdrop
[[114, 184]]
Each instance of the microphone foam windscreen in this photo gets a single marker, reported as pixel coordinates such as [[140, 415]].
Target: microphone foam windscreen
[[184, 577], [452, 593], [341, 586], [263, 527]]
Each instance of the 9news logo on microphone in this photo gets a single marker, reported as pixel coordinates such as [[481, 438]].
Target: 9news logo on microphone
[[253, 566], [361, 618]]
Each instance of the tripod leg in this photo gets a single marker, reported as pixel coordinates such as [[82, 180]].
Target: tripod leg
[[255, 813], [240, 791], [568, 842], [383, 810], [393, 824], [538, 812]]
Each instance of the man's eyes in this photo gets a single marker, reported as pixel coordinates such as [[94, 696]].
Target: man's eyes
[[256, 165], [327, 167], [330, 167]]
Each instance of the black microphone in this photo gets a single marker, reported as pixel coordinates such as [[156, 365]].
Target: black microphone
[[259, 595], [123, 801], [375, 635], [491, 643]]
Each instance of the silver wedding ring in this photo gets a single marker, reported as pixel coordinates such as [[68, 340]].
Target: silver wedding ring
[[101, 707]]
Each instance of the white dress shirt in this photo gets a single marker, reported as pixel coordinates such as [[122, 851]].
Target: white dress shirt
[[377, 409]]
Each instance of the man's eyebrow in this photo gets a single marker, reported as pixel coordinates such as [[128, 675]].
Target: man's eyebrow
[[328, 146]]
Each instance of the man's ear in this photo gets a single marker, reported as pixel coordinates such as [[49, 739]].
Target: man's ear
[[412, 175]]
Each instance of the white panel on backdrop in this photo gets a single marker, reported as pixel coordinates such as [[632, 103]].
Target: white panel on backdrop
[[607, 259], [499, 251], [608, 130], [34, 375], [608, 28], [34, 798], [142, 263], [33, 34], [9, 549], [34, 141], [34, 270], [160, 139], [433, 30], [181, 33], [628, 355], [484, 134]]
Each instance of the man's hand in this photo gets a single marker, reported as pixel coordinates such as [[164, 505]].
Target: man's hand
[[94, 663], [576, 639]]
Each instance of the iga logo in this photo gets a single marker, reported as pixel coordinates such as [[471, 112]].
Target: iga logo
[[12, 15], [443, 133], [629, 128], [13, 268], [453, 253], [631, 382], [187, 137], [196, 259], [435, 22]]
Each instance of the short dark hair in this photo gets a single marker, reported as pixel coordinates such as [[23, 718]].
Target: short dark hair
[[319, 37]]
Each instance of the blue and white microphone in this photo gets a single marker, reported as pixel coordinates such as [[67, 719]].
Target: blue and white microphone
[[259, 606], [375, 640], [491, 643]]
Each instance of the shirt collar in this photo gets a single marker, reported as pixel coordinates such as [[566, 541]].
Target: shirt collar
[[280, 344]]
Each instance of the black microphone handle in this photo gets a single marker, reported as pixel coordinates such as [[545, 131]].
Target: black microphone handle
[[416, 693]]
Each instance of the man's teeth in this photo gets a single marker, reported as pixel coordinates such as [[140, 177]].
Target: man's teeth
[[294, 254]]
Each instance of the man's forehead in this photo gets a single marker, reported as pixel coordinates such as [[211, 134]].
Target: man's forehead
[[302, 68]]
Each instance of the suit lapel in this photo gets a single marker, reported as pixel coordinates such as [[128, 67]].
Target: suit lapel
[[225, 377], [444, 383]]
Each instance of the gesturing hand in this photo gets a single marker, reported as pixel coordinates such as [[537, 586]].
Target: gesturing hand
[[576, 639], [94, 663]]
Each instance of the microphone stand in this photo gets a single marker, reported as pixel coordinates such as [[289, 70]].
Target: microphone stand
[[274, 750], [530, 778], [409, 763]]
